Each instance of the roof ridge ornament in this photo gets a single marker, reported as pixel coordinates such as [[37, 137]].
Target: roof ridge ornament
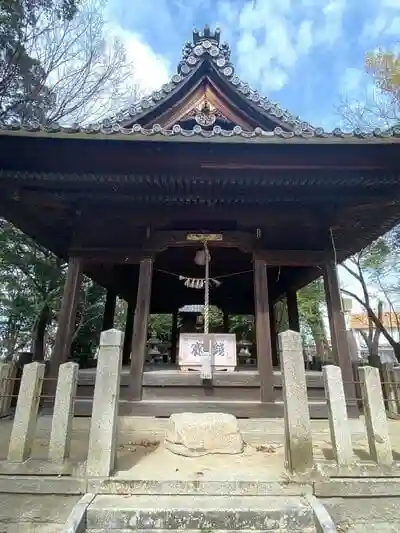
[[207, 46]]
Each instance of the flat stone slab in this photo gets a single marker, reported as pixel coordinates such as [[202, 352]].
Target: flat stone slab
[[197, 434], [199, 512]]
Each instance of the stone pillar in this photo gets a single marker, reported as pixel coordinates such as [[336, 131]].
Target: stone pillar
[[293, 310], [337, 412], [109, 311], [103, 427], [298, 437], [263, 331], [24, 425], [126, 354], [63, 413], [141, 321], [66, 321], [339, 340], [375, 416], [174, 336]]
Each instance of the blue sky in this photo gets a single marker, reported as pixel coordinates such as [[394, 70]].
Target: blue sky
[[305, 54]]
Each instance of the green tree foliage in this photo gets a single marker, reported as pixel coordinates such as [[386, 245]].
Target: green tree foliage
[[31, 286], [376, 270], [31, 283], [59, 64], [23, 92]]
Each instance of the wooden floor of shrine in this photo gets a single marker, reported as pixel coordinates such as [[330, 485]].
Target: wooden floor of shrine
[[168, 390]]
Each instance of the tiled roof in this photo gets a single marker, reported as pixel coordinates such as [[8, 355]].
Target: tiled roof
[[197, 131]]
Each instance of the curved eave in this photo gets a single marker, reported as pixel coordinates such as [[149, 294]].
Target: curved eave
[[158, 134]]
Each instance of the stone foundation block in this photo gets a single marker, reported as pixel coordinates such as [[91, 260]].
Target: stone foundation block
[[197, 434]]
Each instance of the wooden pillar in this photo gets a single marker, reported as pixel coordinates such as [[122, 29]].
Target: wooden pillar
[[174, 336], [66, 321], [226, 322], [140, 325], [109, 311], [337, 325], [263, 331], [126, 350], [293, 311], [274, 336]]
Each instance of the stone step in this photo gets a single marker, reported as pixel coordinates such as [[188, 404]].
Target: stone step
[[229, 513]]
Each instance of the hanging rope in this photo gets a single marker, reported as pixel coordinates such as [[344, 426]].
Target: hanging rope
[[206, 289], [215, 279]]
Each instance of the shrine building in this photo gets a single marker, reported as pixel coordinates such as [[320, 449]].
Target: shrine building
[[203, 174]]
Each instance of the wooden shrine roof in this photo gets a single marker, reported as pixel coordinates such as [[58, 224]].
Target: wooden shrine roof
[[206, 152], [204, 101]]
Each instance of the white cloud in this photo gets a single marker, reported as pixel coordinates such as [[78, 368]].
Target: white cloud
[[384, 20], [305, 37], [352, 81], [275, 34], [332, 27], [151, 70]]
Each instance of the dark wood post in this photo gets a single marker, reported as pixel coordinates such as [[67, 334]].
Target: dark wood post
[[226, 322], [66, 320], [126, 350], [174, 336], [274, 336], [140, 325], [109, 311], [293, 310], [337, 325], [263, 331]]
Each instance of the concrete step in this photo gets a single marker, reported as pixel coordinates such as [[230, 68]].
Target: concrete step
[[280, 514]]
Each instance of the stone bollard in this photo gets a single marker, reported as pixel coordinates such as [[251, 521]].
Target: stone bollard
[[63, 413], [24, 426], [375, 416], [337, 413], [103, 427], [298, 438]]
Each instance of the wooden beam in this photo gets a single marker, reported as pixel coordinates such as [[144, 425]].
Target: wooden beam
[[139, 339], [161, 240], [127, 348], [110, 255], [293, 257], [109, 311], [263, 331], [66, 321], [337, 325], [293, 310]]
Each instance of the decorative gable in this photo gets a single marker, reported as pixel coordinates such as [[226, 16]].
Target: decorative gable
[[205, 93]]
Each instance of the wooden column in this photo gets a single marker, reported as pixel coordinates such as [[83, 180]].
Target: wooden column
[[337, 325], [293, 311], [140, 325], [174, 336], [109, 311], [263, 331], [274, 336], [226, 322], [126, 350], [66, 320]]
